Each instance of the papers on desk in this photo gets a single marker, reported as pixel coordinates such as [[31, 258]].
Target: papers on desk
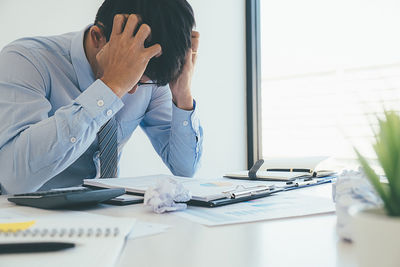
[[213, 192], [143, 229], [307, 201], [201, 189], [99, 239]]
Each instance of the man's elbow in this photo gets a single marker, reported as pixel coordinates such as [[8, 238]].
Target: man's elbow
[[186, 167], [189, 171]]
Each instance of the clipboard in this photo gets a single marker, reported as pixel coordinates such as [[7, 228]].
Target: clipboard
[[212, 192], [208, 192], [250, 193], [236, 196]]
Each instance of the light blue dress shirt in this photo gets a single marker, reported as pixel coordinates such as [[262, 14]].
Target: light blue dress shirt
[[51, 108]]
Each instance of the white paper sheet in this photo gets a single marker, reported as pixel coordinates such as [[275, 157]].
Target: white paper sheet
[[293, 203], [143, 229]]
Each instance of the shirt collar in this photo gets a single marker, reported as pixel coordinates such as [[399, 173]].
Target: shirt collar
[[80, 63]]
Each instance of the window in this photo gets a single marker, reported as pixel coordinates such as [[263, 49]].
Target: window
[[327, 68]]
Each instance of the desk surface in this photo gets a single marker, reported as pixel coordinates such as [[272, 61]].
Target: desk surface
[[306, 241]]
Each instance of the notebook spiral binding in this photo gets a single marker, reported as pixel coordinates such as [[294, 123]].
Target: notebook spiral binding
[[63, 232]]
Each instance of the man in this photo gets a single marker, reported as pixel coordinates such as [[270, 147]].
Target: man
[[69, 103]]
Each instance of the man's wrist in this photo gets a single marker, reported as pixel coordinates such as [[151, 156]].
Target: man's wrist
[[115, 88], [183, 102]]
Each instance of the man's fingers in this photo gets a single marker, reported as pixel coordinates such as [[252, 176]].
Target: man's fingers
[[131, 25], [154, 50], [195, 34], [143, 33], [195, 40], [195, 45], [193, 56], [118, 25]]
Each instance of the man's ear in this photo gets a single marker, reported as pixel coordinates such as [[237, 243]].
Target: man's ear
[[97, 36]]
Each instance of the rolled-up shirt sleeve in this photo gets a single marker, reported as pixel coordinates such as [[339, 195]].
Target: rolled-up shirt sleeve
[[175, 134], [33, 145]]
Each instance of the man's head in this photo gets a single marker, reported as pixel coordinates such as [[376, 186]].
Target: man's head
[[171, 23]]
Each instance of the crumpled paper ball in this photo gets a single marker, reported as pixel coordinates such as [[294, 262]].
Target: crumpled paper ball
[[352, 188], [165, 194]]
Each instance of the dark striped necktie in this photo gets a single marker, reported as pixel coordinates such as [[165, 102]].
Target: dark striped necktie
[[107, 138]]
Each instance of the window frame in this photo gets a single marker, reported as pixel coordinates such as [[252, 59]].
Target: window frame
[[253, 82]]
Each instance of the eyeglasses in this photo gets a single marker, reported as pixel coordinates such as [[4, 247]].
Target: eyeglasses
[[145, 83]]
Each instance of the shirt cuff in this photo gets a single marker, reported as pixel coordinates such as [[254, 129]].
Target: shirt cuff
[[185, 121], [100, 102]]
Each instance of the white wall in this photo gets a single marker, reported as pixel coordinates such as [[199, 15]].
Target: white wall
[[19, 18], [218, 85]]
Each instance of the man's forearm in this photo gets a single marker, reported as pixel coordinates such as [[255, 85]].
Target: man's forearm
[[44, 149], [182, 146]]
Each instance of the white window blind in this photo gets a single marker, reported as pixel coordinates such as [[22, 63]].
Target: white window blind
[[328, 68]]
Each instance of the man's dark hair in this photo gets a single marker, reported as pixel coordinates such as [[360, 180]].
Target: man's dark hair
[[171, 23]]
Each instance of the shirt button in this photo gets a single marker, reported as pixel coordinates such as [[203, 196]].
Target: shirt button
[[100, 103], [73, 139], [109, 112], [197, 149], [185, 123]]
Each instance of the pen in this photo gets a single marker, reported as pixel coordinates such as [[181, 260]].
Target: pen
[[34, 247], [251, 191], [306, 182], [290, 170]]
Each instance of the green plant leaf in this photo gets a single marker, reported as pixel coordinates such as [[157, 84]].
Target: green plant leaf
[[375, 180], [384, 147], [387, 148]]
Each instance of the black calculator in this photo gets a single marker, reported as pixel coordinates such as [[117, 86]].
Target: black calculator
[[65, 198]]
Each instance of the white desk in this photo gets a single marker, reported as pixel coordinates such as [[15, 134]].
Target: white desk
[[307, 241]]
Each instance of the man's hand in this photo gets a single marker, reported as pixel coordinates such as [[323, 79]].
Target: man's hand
[[180, 88], [123, 60]]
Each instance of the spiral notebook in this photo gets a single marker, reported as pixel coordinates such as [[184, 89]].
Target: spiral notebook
[[99, 239]]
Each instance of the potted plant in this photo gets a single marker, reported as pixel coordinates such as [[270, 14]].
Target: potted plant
[[376, 232]]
